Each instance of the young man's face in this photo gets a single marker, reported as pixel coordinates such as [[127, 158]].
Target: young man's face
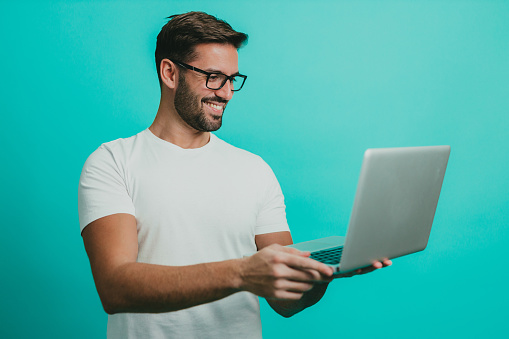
[[200, 107]]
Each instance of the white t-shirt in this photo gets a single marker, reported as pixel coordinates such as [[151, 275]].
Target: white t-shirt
[[191, 206]]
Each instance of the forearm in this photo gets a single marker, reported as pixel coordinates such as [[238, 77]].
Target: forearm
[[288, 308], [147, 288], [125, 285]]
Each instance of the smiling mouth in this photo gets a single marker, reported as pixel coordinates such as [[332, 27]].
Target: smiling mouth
[[215, 107]]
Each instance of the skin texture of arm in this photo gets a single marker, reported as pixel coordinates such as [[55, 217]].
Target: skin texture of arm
[[125, 285]]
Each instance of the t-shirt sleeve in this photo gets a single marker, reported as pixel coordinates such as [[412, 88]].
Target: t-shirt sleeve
[[272, 215], [102, 188]]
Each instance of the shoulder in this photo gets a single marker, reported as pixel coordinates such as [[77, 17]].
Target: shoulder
[[122, 145], [116, 151], [111, 159]]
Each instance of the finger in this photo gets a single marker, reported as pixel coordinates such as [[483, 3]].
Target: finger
[[308, 264], [292, 286], [305, 254], [387, 262], [318, 277], [306, 275], [298, 259], [286, 295]]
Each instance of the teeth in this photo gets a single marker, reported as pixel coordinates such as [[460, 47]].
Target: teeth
[[214, 106]]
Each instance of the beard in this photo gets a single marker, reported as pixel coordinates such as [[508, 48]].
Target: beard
[[190, 108]]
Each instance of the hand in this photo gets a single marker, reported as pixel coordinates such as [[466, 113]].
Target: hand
[[376, 265], [282, 273]]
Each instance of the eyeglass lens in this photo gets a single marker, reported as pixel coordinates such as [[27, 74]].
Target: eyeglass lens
[[216, 81]]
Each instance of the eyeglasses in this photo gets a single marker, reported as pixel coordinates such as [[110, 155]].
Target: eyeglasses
[[216, 80]]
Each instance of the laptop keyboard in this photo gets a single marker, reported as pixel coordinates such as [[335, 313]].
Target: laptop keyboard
[[330, 256]]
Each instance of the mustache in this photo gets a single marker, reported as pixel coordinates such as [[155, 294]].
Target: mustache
[[215, 99]]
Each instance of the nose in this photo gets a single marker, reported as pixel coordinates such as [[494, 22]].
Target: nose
[[225, 92]]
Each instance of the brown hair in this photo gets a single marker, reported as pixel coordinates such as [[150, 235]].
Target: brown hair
[[183, 32]]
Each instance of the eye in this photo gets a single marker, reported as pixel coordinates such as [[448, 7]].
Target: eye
[[214, 77]]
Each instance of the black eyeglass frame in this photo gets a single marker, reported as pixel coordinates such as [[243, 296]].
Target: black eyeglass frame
[[208, 74]]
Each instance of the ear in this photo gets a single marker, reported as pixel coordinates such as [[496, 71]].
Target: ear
[[169, 73]]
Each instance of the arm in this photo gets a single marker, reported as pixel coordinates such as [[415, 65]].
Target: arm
[[125, 285]]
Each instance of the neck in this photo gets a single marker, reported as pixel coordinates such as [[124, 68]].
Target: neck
[[169, 126]]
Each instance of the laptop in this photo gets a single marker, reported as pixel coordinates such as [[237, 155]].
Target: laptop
[[397, 195]]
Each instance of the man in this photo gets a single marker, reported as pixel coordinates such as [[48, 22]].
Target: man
[[168, 214]]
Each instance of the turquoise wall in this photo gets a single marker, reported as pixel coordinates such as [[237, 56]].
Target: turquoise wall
[[327, 79]]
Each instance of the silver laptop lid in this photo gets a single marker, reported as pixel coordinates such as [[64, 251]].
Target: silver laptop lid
[[395, 203]]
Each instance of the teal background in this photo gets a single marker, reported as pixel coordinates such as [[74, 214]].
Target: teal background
[[327, 79]]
